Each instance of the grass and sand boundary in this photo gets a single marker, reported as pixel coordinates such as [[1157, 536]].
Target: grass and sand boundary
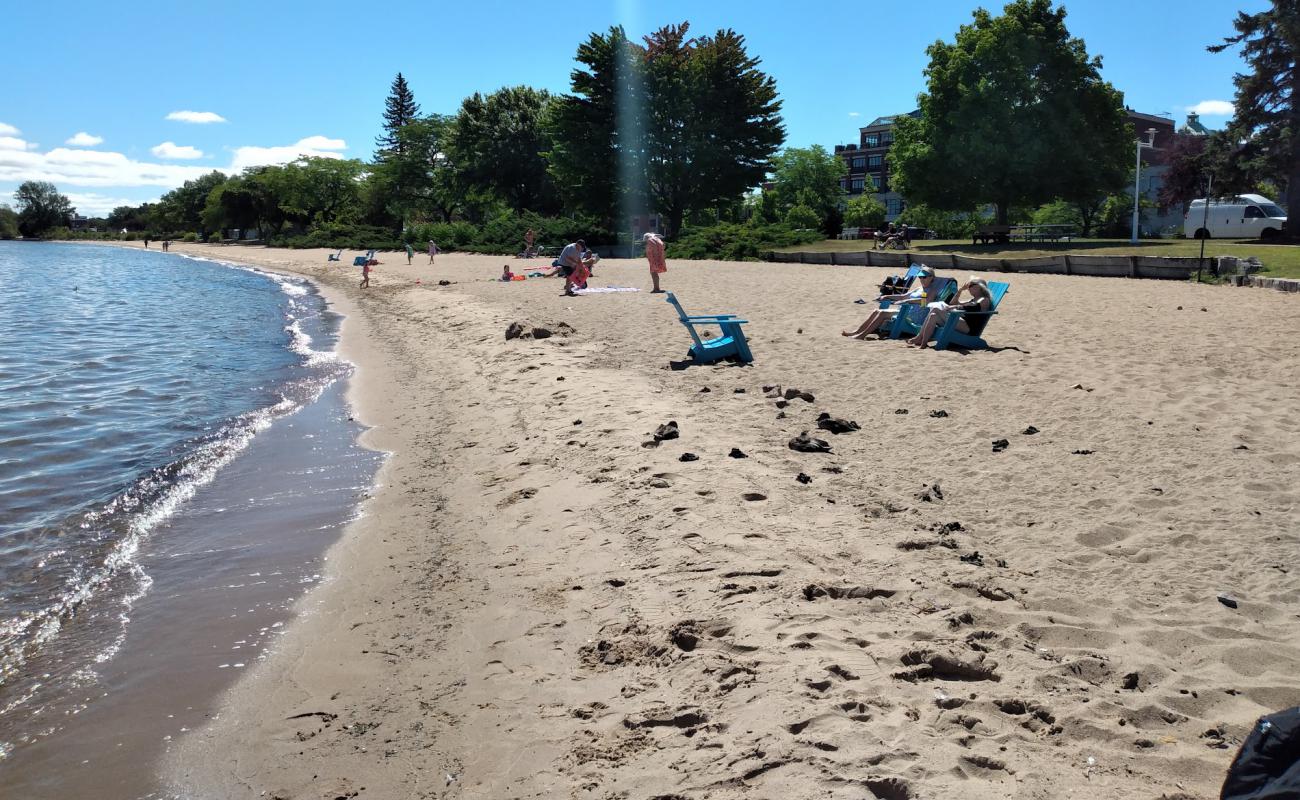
[[535, 604]]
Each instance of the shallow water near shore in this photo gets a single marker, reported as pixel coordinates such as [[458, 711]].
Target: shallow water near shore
[[175, 457]]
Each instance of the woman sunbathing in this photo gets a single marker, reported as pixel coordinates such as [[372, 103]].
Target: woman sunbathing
[[885, 316], [938, 313]]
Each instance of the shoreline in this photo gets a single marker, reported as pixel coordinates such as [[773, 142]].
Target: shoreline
[[533, 604]]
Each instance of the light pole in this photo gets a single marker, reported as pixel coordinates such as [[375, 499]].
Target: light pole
[[1137, 175]]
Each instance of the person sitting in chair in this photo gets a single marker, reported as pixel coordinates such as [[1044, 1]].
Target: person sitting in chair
[[885, 316], [937, 313]]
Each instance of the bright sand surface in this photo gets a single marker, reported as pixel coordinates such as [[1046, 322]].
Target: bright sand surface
[[534, 604]]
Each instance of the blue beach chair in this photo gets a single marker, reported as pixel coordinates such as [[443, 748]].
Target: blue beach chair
[[732, 344], [976, 321], [361, 261], [911, 317], [336, 256]]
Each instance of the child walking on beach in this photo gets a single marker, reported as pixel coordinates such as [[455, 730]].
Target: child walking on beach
[[410, 251], [433, 250], [365, 275]]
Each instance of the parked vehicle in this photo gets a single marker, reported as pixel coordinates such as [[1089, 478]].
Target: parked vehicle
[[1246, 216]]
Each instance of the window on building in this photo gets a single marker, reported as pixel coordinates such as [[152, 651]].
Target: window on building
[[855, 185], [893, 207], [876, 181], [886, 139], [871, 140], [874, 161], [859, 163]]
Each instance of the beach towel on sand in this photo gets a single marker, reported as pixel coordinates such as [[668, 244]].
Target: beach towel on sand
[[606, 290]]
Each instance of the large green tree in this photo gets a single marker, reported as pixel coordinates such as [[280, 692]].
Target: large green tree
[[809, 176], [1015, 113], [41, 207], [181, 209], [497, 145], [400, 109], [672, 125], [1268, 99], [8, 222], [415, 182]]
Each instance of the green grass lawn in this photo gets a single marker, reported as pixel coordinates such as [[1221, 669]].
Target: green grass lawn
[[1279, 260]]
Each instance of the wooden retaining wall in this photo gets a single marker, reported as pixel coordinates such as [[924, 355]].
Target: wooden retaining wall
[[1280, 284], [1097, 266]]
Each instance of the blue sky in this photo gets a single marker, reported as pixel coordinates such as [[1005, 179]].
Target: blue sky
[[285, 77]]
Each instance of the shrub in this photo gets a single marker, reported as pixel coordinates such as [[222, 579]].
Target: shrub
[[214, 237], [864, 212], [341, 235], [801, 216], [732, 242], [447, 235], [130, 237]]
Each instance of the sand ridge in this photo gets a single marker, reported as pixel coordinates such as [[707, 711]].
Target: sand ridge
[[535, 604]]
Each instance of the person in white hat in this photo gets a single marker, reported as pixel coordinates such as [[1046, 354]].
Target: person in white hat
[[980, 300]]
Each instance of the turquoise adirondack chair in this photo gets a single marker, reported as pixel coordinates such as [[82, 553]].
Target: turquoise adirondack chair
[[335, 256], [976, 321], [913, 272], [731, 344], [361, 261], [911, 317]]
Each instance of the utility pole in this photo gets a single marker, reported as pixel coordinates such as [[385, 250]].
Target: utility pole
[[1137, 175]]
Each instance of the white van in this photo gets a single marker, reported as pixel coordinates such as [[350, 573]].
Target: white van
[[1246, 216]]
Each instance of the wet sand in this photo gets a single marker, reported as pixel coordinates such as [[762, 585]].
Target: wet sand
[[534, 604]]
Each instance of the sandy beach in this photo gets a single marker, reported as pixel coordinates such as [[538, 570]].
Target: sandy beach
[[534, 603]]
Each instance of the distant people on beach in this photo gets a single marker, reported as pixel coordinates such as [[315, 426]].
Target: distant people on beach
[[433, 250], [569, 262], [885, 316], [654, 253], [146, 242], [167, 244], [365, 275], [506, 274], [530, 239], [410, 253], [937, 312]]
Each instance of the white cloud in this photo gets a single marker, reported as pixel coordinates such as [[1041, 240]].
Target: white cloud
[[196, 117], [1213, 108], [320, 146], [854, 114], [8, 130], [67, 166], [91, 204], [83, 139], [12, 143], [173, 150]]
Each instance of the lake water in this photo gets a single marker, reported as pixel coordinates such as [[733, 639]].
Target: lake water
[[175, 458]]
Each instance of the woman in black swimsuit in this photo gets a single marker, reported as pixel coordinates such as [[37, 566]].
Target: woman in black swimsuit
[[980, 300]]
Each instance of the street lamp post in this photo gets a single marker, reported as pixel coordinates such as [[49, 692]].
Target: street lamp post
[[1137, 175]]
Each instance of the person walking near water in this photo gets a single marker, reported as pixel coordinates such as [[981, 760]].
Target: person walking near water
[[146, 242], [410, 252], [433, 250], [654, 253], [365, 275]]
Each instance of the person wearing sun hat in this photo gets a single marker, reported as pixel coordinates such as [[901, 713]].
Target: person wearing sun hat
[[883, 317], [937, 314]]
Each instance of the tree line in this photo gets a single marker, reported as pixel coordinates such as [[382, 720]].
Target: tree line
[[1015, 119]]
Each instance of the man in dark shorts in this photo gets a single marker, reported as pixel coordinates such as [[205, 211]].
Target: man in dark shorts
[[570, 259]]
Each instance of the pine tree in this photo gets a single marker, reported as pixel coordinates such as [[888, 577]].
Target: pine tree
[[399, 109], [1268, 98]]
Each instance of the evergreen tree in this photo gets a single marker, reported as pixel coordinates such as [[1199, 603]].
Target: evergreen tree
[[399, 109], [1268, 99]]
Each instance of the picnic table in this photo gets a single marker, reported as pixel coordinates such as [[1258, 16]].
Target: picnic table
[[1004, 234]]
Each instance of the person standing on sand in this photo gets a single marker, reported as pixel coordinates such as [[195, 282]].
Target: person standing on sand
[[529, 238], [365, 275], [433, 250], [654, 253], [146, 242], [410, 251]]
